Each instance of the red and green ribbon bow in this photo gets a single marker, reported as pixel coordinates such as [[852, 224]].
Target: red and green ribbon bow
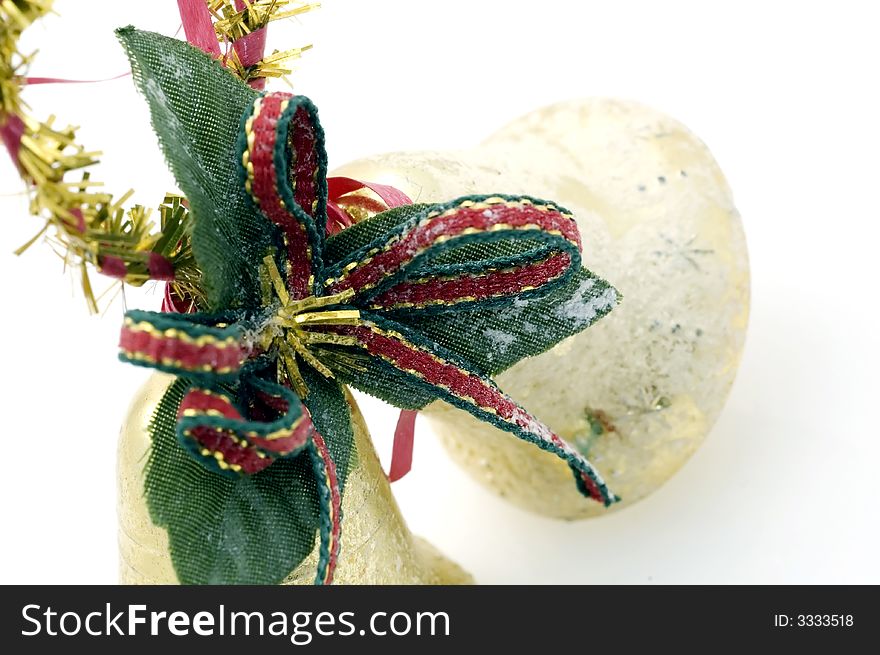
[[373, 306]]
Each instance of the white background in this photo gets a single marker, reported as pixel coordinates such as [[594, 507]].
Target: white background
[[784, 93]]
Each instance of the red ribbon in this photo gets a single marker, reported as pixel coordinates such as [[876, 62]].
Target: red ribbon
[[337, 187], [11, 132], [176, 304], [404, 434], [31, 81], [251, 48], [402, 450], [12, 128], [199, 32], [198, 27]]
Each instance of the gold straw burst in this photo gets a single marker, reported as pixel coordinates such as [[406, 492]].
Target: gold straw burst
[[231, 24]]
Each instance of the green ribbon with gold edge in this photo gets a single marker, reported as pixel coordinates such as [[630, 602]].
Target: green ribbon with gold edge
[[404, 306]]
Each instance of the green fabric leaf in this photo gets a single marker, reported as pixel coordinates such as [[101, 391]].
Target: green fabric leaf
[[497, 337], [196, 108], [252, 530], [331, 416]]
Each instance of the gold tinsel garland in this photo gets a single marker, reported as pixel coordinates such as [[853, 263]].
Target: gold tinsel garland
[[90, 228]]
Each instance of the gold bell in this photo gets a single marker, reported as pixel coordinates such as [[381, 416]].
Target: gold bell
[[637, 392], [377, 546]]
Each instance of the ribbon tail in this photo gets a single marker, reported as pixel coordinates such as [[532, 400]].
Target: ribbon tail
[[337, 218], [397, 351], [402, 451], [330, 499]]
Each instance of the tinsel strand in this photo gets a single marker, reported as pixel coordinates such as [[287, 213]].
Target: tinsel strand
[[90, 228]]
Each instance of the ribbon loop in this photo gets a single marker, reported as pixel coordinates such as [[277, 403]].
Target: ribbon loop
[[284, 169], [330, 500], [340, 192], [470, 251]]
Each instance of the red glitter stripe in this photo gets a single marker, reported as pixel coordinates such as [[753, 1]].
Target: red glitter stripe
[[472, 288], [203, 401], [436, 372], [233, 453], [185, 355], [302, 430], [265, 190], [336, 504], [302, 140], [483, 219]]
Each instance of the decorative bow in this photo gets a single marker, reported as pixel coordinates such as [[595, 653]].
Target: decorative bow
[[400, 306]]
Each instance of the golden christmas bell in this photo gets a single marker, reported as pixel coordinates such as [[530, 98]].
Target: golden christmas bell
[[377, 547], [637, 392]]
